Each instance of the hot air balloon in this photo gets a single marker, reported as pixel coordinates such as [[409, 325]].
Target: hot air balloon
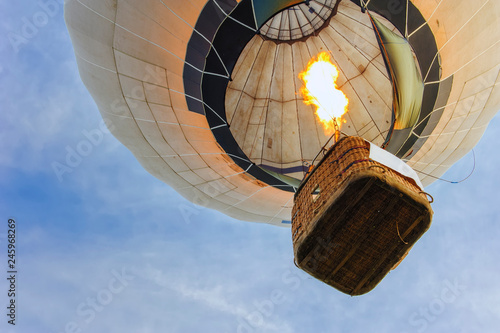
[[206, 93]]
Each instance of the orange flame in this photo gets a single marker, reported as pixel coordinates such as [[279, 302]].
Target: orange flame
[[320, 89]]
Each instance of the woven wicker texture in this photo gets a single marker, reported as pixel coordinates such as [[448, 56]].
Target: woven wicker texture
[[354, 219]]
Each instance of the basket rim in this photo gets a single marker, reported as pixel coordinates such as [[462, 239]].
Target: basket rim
[[329, 152]]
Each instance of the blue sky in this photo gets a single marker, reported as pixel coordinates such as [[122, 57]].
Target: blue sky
[[104, 247]]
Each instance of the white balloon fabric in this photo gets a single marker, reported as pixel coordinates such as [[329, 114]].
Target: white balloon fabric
[[208, 102]]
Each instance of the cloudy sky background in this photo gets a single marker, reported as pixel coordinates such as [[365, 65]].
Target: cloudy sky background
[[105, 247]]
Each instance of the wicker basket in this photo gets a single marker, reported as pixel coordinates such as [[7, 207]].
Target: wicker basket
[[355, 219]]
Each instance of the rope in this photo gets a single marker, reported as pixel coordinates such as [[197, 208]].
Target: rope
[[351, 164], [451, 181], [348, 150], [431, 200], [397, 228], [322, 149]]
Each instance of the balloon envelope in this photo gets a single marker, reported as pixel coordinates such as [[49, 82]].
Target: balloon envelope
[[205, 93]]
